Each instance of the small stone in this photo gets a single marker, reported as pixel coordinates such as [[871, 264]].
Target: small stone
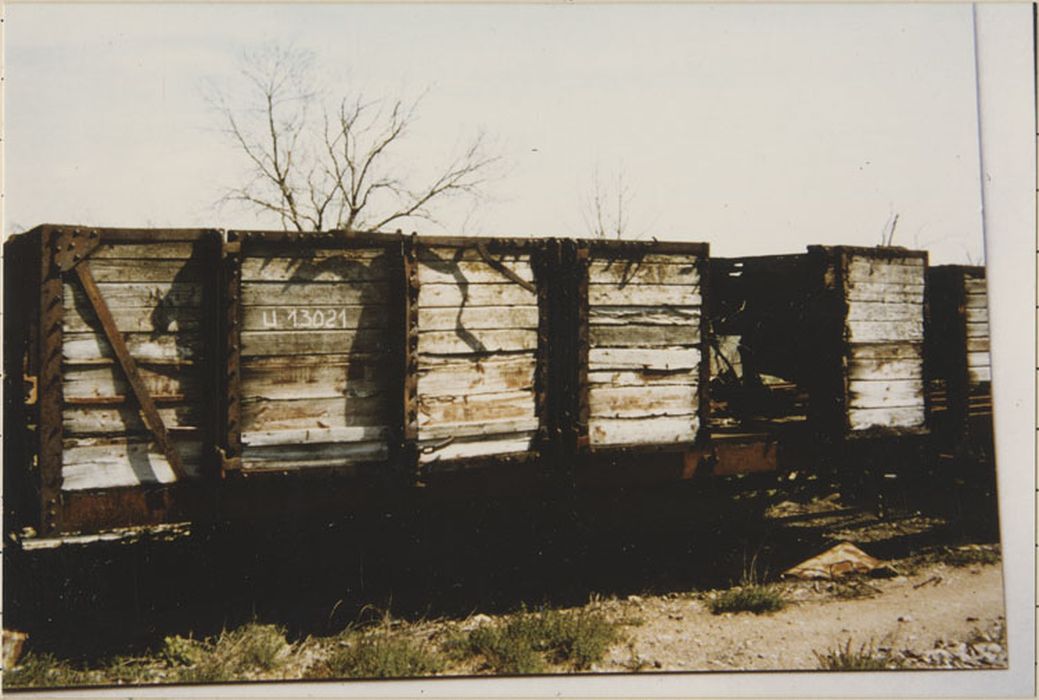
[[905, 618], [634, 599], [657, 664], [971, 619]]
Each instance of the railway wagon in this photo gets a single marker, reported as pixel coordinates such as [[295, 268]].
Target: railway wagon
[[958, 366], [166, 376], [821, 350]]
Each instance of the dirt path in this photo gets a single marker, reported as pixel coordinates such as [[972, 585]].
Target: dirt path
[[921, 619]]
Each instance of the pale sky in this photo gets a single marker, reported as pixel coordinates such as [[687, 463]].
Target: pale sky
[[758, 129]]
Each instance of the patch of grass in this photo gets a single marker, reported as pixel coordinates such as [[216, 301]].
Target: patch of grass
[[865, 658], [755, 598], [42, 671], [529, 642], [234, 654], [380, 653], [971, 556]]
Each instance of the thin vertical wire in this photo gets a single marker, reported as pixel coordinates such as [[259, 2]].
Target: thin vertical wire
[[977, 111]]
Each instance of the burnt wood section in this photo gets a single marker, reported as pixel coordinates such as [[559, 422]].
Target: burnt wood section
[[958, 368], [831, 339], [643, 363]]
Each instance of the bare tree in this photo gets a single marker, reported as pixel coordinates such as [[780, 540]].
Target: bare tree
[[887, 235], [318, 164], [607, 209]]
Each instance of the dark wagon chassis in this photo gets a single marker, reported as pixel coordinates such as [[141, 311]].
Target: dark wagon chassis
[[561, 456]]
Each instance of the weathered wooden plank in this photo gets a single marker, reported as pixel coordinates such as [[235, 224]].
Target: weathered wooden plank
[[624, 273], [885, 369], [453, 295], [902, 271], [475, 341], [119, 295], [647, 259], [478, 318], [643, 431], [309, 294], [978, 344], [282, 457], [466, 377], [644, 295], [464, 272], [878, 394], [442, 255], [879, 311], [883, 331], [143, 319], [978, 359], [94, 463], [684, 377], [639, 336], [369, 340], [977, 314], [895, 417], [314, 436], [95, 383], [885, 293], [975, 286], [644, 401], [477, 407], [148, 270], [980, 374], [104, 420], [301, 250], [887, 351], [344, 267], [137, 251], [482, 428], [977, 301], [90, 347], [263, 414], [645, 315], [977, 330], [629, 358], [476, 448], [313, 382]]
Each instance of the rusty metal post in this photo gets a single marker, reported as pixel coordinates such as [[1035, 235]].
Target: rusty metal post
[[406, 460], [230, 451], [49, 448]]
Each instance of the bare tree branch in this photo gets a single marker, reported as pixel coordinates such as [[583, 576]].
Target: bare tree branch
[[313, 167], [603, 220]]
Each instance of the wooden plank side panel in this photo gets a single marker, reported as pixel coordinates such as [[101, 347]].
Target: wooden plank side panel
[[608, 359], [644, 295], [658, 430], [92, 348], [894, 417], [442, 410], [640, 402], [106, 384], [341, 266], [602, 315], [98, 463], [141, 319], [314, 317], [622, 273], [490, 446], [476, 272], [644, 378], [308, 294], [886, 331], [478, 318], [639, 336], [276, 343], [309, 414], [469, 376], [107, 420], [467, 342], [138, 294], [885, 393], [879, 369], [310, 456], [456, 296]]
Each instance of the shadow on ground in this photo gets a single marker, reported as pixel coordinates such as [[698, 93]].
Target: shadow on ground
[[425, 560]]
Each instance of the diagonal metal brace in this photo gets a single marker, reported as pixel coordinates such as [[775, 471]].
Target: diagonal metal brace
[[152, 419]]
